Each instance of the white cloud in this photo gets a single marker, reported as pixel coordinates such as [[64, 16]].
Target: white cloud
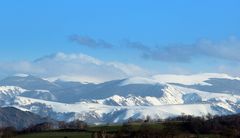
[[75, 67]]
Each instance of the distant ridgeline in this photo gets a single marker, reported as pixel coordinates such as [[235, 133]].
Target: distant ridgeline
[[159, 96]]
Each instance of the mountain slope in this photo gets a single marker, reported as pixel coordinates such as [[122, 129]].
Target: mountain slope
[[95, 113], [10, 116], [159, 96], [175, 101], [9, 92]]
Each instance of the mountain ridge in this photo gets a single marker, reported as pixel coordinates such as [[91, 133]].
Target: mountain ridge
[[119, 100]]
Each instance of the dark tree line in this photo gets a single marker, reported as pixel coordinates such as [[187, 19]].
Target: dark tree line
[[221, 125], [179, 127], [75, 125], [10, 132]]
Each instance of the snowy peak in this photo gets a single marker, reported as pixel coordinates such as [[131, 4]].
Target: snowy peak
[[4, 89], [192, 79], [178, 79], [10, 91], [27, 82]]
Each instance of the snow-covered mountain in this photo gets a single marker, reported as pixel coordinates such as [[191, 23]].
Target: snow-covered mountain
[[158, 96]]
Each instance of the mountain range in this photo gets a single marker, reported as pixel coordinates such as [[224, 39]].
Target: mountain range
[[159, 97]]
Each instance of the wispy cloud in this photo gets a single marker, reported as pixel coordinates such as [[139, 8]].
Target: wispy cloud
[[136, 45], [89, 41], [228, 49]]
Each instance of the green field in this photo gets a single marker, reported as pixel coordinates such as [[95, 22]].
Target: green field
[[87, 134], [56, 135], [77, 135], [134, 127]]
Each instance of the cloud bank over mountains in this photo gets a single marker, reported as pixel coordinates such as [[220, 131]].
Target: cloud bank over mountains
[[73, 67], [220, 57]]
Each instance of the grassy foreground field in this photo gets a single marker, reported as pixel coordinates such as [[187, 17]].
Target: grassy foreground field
[[56, 135], [87, 134], [108, 129], [77, 135]]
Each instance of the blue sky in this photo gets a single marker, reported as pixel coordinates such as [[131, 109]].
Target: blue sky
[[148, 33]]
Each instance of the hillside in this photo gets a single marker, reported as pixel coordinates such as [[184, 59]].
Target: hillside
[[12, 117]]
